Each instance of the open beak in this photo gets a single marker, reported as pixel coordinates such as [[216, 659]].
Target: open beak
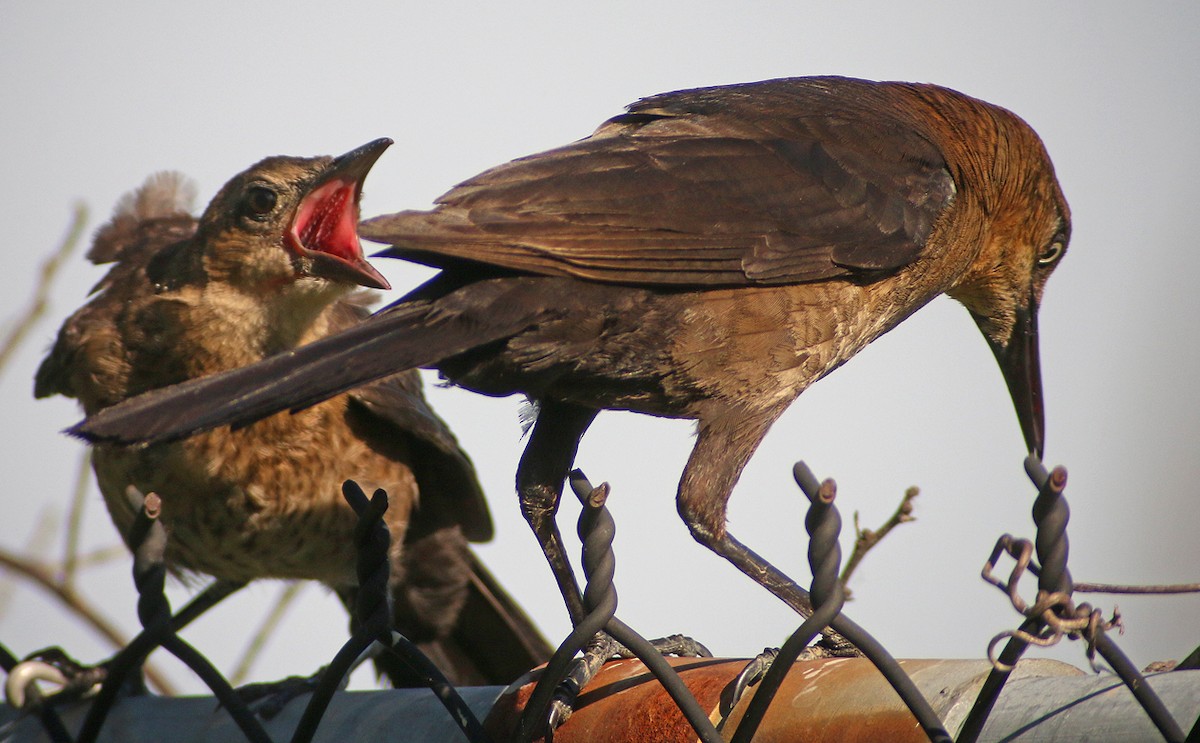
[[1021, 367], [325, 228]]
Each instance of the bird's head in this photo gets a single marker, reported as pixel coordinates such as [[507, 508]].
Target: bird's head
[[1028, 225], [290, 221]]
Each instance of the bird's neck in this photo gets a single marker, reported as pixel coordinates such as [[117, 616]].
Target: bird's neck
[[242, 327], [984, 145]]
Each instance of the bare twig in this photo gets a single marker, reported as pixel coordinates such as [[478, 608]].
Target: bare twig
[[101, 555], [865, 539], [255, 647], [78, 605], [1115, 588], [75, 518], [41, 293], [39, 536]]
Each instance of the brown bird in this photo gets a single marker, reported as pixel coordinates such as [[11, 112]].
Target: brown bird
[[708, 254], [271, 265]]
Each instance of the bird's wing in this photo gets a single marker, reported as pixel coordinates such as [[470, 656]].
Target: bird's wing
[[395, 408], [403, 336], [145, 240], [769, 183]]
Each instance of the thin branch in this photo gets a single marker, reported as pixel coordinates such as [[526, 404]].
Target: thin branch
[[270, 622], [44, 577], [39, 536], [101, 555], [865, 539], [75, 519], [1116, 588], [41, 294], [78, 605]]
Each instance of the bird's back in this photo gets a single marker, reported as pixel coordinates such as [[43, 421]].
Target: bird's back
[[90, 359]]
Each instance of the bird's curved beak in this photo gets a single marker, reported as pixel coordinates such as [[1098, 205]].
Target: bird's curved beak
[[1021, 367], [325, 228]]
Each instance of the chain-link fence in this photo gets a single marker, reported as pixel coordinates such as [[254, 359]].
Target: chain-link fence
[[745, 697]]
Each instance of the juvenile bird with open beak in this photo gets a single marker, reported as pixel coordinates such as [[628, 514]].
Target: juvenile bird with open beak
[[272, 264]]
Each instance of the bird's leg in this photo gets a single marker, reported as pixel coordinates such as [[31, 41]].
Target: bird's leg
[[778, 583], [596, 529], [723, 447], [547, 459], [601, 649], [271, 697]]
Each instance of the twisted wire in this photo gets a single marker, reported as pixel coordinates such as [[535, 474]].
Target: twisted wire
[[596, 530], [148, 539], [373, 622], [823, 524]]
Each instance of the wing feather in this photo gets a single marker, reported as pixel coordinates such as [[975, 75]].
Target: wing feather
[[768, 183]]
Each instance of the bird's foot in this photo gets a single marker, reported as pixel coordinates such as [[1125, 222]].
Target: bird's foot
[[831, 645], [680, 646], [71, 678], [761, 663], [271, 697], [750, 675], [601, 649]]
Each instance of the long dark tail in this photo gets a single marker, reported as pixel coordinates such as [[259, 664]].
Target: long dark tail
[[404, 336], [492, 642]]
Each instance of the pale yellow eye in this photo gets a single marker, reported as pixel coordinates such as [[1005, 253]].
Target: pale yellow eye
[[1050, 254]]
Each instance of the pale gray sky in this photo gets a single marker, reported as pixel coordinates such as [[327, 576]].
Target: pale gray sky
[[95, 97]]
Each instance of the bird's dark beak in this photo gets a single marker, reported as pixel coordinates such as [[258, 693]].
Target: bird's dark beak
[[1019, 362], [325, 228]]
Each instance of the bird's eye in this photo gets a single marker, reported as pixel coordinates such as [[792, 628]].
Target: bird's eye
[[1050, 253], [259, 201]]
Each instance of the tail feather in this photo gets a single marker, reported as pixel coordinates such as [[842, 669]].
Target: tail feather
[[494, 642], [496, 632], [402, 337]]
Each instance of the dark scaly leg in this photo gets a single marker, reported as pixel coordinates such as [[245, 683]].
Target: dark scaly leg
[[552, 699], [547, 459]]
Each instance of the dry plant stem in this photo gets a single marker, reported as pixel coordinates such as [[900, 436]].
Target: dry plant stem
[[75, 519], [866, 538], [101, 555], [1116, 588], [41, 294], [39, 536], [255, 647], [80, 607]]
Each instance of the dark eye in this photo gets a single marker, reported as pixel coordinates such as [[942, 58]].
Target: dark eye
[[259, 200], [1051, 253]]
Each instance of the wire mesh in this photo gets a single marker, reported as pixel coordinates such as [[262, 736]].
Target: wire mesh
[[1050, 618]]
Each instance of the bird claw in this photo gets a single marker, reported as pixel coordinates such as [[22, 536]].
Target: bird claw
[[599, 650], [749, 676], [680, 646], [271, 697], [761, 663], [831, 646], [560, 711]]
